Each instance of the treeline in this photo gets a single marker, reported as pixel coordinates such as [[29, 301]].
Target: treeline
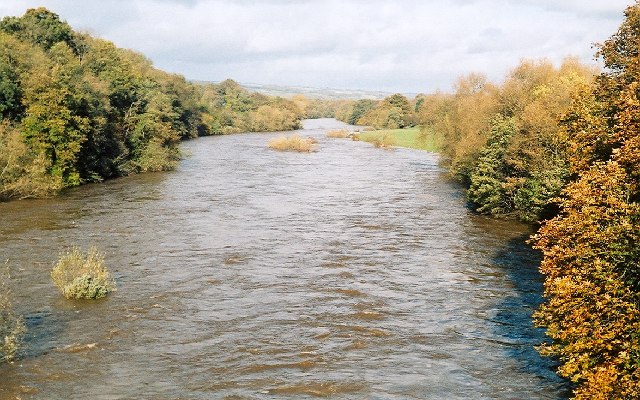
[[504, 141], [232, 109], [77, 109], [592, 248], [393, 112], [561, 147]]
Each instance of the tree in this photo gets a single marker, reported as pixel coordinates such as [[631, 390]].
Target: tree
[[360, 108], [591, 253], [10, 91], [487, 189], [393, 112], [41, 27]]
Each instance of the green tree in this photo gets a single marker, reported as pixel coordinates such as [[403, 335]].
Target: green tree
[[10, 91], [360, 108], [53, 121], [487, 189], [41, 27]]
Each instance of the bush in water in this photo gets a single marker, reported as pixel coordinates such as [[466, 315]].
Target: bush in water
[[384, 141], [11, 325], [80, 277], [292, 143], [338, 134]]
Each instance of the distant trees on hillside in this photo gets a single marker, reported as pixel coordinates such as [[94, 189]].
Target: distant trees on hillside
[[232, 109]]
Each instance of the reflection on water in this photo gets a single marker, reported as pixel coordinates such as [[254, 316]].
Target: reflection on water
[[252, 274]]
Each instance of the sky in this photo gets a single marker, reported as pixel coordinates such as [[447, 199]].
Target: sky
[[406, 46]]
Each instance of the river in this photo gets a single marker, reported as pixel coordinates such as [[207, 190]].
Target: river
[[348, 273]]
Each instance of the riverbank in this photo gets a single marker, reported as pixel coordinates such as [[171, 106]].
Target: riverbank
[[412, 138]]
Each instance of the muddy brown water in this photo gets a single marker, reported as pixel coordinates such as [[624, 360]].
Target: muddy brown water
[[348, 273]]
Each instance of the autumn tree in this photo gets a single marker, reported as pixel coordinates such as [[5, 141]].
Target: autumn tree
[[522, 175], [591, 253], [466, 125], [393, 112]]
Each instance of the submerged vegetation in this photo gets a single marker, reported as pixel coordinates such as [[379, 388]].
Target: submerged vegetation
[[12, 326], [77, 109], [292, 143], [80, 276]]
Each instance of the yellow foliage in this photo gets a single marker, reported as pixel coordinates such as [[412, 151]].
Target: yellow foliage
[[292, 143], [338, 133], [82, 277], [591, 254], [23, 173]]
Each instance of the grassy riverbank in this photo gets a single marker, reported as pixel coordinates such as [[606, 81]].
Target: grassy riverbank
[[412, 138]]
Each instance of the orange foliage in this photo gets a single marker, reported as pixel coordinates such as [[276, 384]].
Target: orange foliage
[[591, 250]]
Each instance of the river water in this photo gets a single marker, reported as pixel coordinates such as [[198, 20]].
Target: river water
[[348, 273]]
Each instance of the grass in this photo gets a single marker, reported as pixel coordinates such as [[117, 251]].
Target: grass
[[82, 277], [292, 143], [412, 138]]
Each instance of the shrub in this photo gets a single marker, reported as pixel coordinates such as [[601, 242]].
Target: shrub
[[292, 143], [80, 277], [384, 141], [12, 326], [157, 157], [338, 134], [23, 173]]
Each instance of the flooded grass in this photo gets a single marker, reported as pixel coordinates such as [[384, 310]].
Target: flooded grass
[[12, 326]]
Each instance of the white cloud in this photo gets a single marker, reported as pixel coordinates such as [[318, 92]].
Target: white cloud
[[408, 45]]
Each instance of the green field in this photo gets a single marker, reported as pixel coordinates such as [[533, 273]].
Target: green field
[[409, 137]]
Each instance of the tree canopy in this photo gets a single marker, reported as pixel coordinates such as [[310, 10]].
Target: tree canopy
[[78, 109], [591, 252]]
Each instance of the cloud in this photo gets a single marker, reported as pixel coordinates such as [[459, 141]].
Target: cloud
[[408, 45]]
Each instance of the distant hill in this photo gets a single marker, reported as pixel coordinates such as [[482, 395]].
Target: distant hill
[[317, 93]]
